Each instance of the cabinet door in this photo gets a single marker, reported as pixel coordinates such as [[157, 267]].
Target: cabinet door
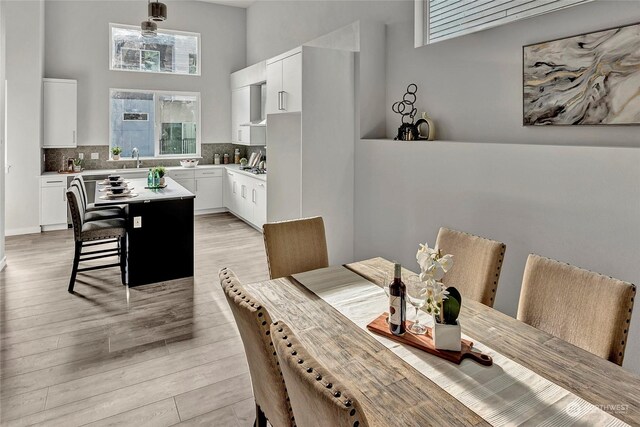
[[208, 193], [60, 114], [274, 87], [230, 191], [259, 203], [53, 205], [188, 183], [245, 206], [240, 113], [292, 83]]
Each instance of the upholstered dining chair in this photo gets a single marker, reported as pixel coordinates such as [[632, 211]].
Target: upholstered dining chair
[[90, 207], [318, 398], [477, 264], [295, 246], [94, 233], [253, 320], [586, 309]]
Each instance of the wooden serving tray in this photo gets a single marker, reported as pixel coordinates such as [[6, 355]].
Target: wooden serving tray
[[425, 343]]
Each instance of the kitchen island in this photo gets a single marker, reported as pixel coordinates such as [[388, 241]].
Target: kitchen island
[[160, 241]]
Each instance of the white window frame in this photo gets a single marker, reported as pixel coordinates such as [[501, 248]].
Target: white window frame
[[161, 31], [421, 20], [157, 123]]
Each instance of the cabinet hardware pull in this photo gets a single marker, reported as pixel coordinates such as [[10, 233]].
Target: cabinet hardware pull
[[54, 182], [284, 107], [234, 187], [64, 195], [261, 185], [253, 195], [280, 100]]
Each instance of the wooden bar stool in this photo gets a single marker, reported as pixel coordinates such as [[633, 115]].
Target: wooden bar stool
[[94, 233]]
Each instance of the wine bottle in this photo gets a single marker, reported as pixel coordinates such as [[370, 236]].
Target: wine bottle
[[156, 178], [150, 179], [397, 308]]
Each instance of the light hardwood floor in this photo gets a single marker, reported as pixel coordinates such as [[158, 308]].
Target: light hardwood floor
[[161, 354]]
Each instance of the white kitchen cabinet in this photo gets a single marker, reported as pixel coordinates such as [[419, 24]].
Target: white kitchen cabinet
[[259, 199], [205, 183], [245, 109], [53, 202], [311, 153], [230, 190], [60, 112], [208, 189], [284, 83], [246, 197]]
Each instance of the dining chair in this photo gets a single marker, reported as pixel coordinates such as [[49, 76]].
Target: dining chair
[[477, 264], [94, 233], [295, 246], [586, 309], [317, 397], [253, 320], [97, 212]]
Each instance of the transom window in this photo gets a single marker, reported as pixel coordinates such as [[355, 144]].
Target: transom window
[[172, 52], [158, 123], [445, 19]]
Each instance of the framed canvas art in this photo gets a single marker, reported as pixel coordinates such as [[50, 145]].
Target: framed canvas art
[[589, 79]]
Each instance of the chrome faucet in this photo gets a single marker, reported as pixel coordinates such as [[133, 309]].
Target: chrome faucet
[[136, 153]]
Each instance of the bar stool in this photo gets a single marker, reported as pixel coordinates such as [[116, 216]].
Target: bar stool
[[92, 233], [94, 213]]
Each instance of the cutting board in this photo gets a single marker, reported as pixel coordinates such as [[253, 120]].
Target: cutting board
[[425, 343]]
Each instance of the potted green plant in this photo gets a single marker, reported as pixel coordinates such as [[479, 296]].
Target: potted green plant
[[442, 302], [161, 173], [115, 152], [77, 165]]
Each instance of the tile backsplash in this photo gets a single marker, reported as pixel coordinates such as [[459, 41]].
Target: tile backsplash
[[53, 156]]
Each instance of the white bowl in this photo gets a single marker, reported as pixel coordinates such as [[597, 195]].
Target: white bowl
[[189, 163]]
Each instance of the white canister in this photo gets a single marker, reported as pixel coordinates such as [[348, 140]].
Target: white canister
[[216, 159]]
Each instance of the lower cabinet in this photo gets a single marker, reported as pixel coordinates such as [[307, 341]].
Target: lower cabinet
[[205, 183], [246, 197], [53, 202]]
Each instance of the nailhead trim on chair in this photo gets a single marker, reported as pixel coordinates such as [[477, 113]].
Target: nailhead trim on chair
[[622, 347], [231, 288], [328, 385]]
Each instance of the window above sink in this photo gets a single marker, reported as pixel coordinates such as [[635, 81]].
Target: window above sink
[[161, 124]]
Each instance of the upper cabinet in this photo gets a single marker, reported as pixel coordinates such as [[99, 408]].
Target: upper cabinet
[[284, 83], [60, 110], [245, 113]]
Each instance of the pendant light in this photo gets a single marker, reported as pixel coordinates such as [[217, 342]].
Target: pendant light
[[157, 11], [148, 29]]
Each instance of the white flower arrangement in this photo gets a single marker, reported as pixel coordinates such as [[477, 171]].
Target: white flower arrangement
[[433, 266]]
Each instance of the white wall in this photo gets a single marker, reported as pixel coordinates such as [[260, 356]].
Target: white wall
[[576, 204], [569, 193], [2, 141], [77, 47], [24, 68]]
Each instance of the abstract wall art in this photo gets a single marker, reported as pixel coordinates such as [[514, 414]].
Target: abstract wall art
[[590, 79]]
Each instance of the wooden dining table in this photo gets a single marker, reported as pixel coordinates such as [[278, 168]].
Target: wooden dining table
[[536, 378]]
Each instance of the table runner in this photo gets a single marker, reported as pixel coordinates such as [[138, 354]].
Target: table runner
[[504, 394]]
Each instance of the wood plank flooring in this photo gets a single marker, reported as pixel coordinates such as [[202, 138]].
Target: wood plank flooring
[[158, 355]]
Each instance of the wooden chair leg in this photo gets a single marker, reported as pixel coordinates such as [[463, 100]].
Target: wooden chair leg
[[123, 258], [74, 271], [261, 419]]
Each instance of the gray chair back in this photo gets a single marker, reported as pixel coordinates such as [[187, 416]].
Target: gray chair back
[[74, 199]]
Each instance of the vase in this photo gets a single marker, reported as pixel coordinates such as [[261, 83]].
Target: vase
[[162, 182], [77, 168], [447, 337], [116, 157]]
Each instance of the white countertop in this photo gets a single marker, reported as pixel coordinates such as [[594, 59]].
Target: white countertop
[[233, 167]]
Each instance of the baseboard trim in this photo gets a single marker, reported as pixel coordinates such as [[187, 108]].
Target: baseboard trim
[[19, 231], [55, 227], [210, 211], [3, 263]]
